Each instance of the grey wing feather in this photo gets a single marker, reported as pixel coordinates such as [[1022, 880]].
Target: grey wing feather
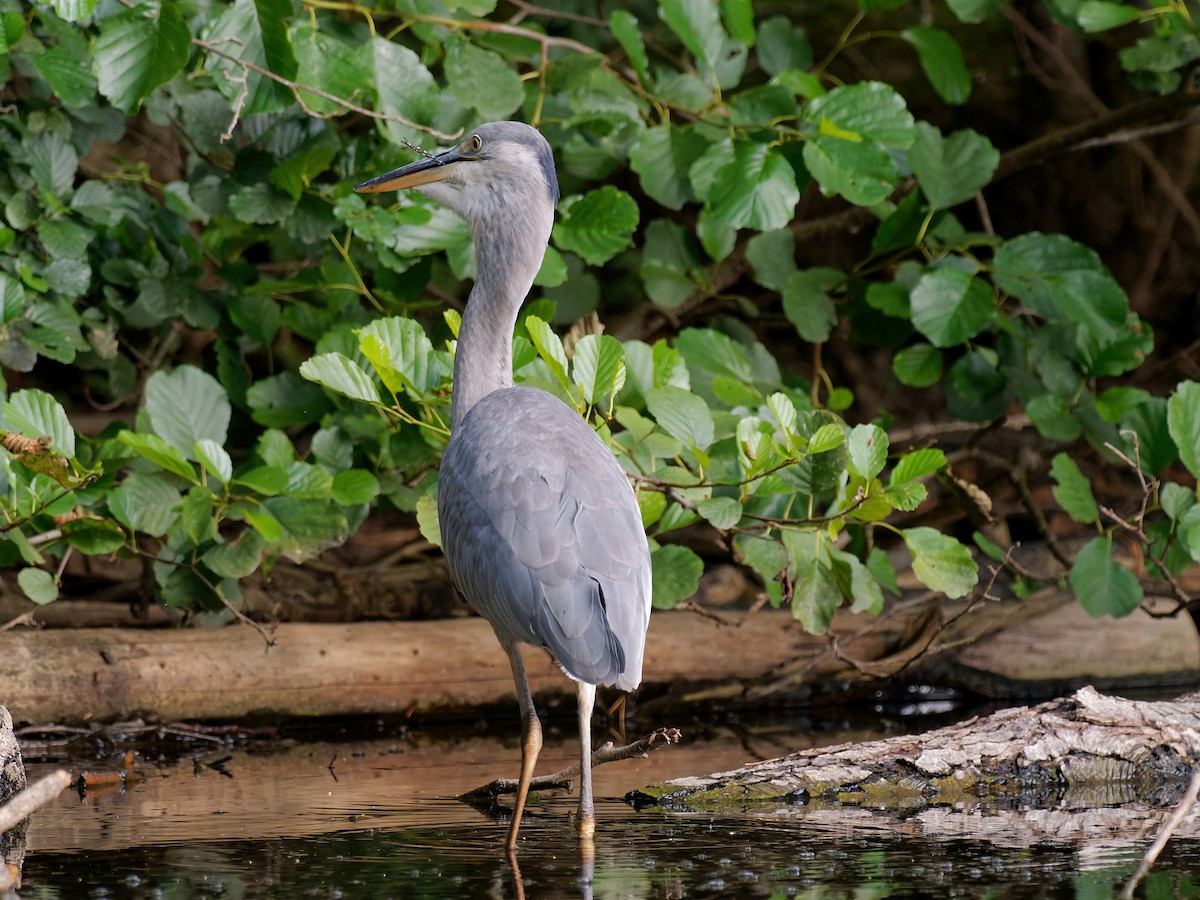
[[543, 537]]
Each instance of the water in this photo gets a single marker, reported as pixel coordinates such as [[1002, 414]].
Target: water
[[377, 819]]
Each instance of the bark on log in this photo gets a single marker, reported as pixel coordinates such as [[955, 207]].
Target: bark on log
[[456, 666], [312, 670], [1086, 750]]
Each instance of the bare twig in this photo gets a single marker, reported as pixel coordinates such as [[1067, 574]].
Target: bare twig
[[25, 618], [1166, 184], [565, 779], [296, 88], [33, 798], [1173, 822]]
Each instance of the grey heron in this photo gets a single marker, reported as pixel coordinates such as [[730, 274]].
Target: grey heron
[[540, 527]]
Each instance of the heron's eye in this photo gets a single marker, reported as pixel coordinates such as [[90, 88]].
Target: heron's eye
[[476, 143]]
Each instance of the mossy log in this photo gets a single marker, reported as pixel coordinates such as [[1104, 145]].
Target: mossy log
[[1085, 750]]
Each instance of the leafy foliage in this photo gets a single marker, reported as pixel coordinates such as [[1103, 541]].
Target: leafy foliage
[[274, 327]]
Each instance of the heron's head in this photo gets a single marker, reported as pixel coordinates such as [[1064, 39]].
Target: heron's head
[[495, 168]]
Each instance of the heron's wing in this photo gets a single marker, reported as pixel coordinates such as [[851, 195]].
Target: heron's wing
[[543, 537]]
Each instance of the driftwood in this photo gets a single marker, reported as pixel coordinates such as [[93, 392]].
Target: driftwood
[[455, 666], [565, 779], [1085, 750]]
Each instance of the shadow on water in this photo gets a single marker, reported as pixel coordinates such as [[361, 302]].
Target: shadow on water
[[377, 819]]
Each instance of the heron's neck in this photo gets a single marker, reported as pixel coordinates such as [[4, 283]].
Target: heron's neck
[[505, 265]]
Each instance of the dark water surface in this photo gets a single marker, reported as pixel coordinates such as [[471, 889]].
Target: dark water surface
[[382, 822]]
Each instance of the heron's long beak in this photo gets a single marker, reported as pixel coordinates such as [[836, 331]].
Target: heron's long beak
[[423, 171]]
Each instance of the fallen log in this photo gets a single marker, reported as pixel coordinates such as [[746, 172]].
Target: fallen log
[[454, 666], [1086, 750]]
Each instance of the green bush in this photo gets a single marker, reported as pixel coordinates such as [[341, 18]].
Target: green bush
[[283, 340]]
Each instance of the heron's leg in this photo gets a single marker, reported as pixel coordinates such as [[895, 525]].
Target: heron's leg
[[531, 739], [587, 810]]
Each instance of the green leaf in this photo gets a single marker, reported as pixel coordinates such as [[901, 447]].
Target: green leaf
[[772, 257], [975, 11], [309, 526], [1183, 414], [857, 582], [427, 519], [598, 225], [265, 480], [395, 64], [757, 189], [917, 464], [598, 366], [882, 570], [336, 66], [1073, 490], [254, 31], [94, 537], [815, 592], [951, 170], [861, 171], [1064, 281], [663, 157], [941, 562], [828, 437], [1150, 422], [1176, 500], [950, 306], [38, 585], [53, 166], [918, 365], [549, 348], [74, 10], [675, 575], [1114, 403], [782, 47], [481, 80], [69, 76], [868, 447], [139, 49], [682, 415], [976, 390], [868, 109], [721, 512], [186, 406], [34, 413], [1100, 15], [942, 61], [145, 503], [807, 302], [698, 24], [401, 353], [238, 557], [352, 487], [341, 374], [159, 452], [628, 32], [265, 524], [214, 458], [257, 316], [1103, 586], [738, 16]]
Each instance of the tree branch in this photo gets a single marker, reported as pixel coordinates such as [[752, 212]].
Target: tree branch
[[565, 779]]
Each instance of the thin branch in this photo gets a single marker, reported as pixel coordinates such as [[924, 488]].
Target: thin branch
[[530, 10], [1173, 822], [25, 618], [565, 779], [33, 798], [296, 88], [1166, 184]]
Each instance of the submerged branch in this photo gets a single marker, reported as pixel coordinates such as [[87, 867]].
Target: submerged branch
[[565, 779]]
